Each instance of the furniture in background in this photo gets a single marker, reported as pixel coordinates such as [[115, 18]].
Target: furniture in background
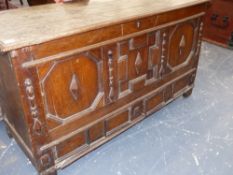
[[7, 4], [219, 23], [39, 2], [72, 79]]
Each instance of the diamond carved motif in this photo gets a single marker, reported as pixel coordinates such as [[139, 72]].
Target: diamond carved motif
[[74, 87], [138, 63], [182, 44]]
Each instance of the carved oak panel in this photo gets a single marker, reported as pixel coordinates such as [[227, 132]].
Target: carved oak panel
[[72, 87], [182, 44]]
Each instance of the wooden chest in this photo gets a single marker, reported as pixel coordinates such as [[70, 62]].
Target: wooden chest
[[75, 75], [219, 23]]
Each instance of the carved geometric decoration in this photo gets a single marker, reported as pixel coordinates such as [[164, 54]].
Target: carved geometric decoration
[[37, 128], [36, 124], [162, 70], [111, 94], [71, 87], [138, 63], [182, 44], [181, 53], [136, 111], [45, 160], [111, 77], [74, 86]]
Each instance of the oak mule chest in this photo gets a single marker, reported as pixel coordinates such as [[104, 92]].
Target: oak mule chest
[[75, 75]]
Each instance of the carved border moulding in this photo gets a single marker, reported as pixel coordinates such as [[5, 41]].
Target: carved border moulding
[[199, 38], [74, 86], [182, 44], [36, 126], [45, 160], [168, 93], [192, 78], [138, 110], [135, 81], [111, 77], [164, 42], [131, 84], [151, 66], [127, 91], [138, 62]]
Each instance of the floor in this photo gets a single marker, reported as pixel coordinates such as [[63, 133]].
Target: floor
[[192, 136]]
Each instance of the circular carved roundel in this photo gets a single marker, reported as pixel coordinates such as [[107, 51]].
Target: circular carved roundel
[[71, 86], [180, 45]]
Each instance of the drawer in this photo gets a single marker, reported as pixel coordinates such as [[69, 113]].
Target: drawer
[[116, 122], [74, 143], [138, 25], [81, 140], [154, 102], [182, 83]]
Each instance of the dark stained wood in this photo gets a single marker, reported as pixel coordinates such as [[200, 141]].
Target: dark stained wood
[[72, 143], [11, 107], [219, 23], [96, 132], [137, 110], [179, 14], [32, 106], [138, 25], [70, 95], [117, 121], [181, 84], [77, 41], [154, 101], [100, 114], [39, 2], [181, 50]]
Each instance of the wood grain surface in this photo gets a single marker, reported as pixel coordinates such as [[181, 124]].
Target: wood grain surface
[[75, 75], [35, 25]]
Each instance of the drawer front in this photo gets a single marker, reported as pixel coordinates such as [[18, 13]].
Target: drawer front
[[75, 142], [115, 122], [138, 25]]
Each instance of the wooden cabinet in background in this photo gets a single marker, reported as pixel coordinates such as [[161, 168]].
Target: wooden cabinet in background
[[219, 23], [69, 84]]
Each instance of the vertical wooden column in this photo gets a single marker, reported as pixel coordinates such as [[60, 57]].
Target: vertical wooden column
[[33, 111]]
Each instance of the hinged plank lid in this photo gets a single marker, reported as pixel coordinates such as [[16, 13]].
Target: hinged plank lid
[[34, 25]]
